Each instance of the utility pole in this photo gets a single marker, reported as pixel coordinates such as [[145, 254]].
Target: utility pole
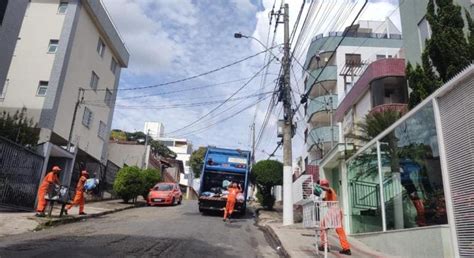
[[253, 143], [288, 126], [80, 99], [146, 149]]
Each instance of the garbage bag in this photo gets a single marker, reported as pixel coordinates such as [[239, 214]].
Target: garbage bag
[[91, 183], [240, 197], [225, 184]]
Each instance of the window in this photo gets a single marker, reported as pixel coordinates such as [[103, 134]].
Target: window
[[378, 57], [94, 81], [424, 31], [101, 47], [42, 89], [102, 131], [62, 7], [3, 9], [53, 46], [353, 59], [87, 117], [113, 66], [108, 98]]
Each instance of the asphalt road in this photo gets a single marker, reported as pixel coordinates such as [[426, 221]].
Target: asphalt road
[[179, 231]]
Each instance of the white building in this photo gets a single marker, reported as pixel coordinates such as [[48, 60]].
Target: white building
[[64, 46], [332, 74], [154, 129], [183, 149]]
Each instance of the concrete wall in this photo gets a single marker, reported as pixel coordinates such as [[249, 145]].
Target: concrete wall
[[431, 241], [9, 30], [129, 154], [31, 62]]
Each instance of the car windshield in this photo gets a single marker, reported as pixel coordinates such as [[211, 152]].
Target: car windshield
[[164, 187]]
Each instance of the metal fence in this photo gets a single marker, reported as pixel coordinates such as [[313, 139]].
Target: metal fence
[[20, 175]]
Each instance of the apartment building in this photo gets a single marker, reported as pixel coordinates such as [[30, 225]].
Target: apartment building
[[62, 47], [415, 26], [333, 72], [11, 17]]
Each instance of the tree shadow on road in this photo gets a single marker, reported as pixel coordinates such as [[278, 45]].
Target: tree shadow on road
[[114, 246]]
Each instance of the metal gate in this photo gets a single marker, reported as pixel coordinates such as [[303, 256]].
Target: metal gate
[[20, 175]]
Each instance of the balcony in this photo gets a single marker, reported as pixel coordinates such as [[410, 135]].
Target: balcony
[[399, 107], [322, 135], [317, 111], [328, 74]]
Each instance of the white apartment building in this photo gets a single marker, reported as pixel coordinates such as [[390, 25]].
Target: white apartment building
[[64, 46], [183, 149], [154, 129]]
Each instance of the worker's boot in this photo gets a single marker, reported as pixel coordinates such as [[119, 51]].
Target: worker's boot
[[321, 248], [345, 251]]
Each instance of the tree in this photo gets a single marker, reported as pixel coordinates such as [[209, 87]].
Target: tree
[[150, 178], [19, 128], [197, 161], [129, 183], [118, 135], [447, 52], [266, 174], [159, 148]]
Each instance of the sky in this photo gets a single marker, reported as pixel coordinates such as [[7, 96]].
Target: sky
[[169, 40]]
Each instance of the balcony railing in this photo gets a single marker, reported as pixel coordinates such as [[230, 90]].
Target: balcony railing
[[322, 135], [321, 104], [327, 74], [399, 107]]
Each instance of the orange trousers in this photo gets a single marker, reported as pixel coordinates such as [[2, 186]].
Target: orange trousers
[[78, 200], [229, 208], [342, 238], [41, 201]]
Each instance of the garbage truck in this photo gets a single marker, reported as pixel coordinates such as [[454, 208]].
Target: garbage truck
[[222, 167]]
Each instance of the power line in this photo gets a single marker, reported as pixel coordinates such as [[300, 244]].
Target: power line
[[191, 77], [224, 119], [235, 93], [182, 105]]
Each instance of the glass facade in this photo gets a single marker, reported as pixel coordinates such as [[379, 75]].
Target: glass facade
[[364, 192], [412, 185]]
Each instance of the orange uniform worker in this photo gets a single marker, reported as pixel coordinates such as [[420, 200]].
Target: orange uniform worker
[[79, 196], [331, 196], [233, 189], [50, 179]]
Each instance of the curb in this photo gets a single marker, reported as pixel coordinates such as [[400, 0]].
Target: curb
[[67, 220], [270, 233]]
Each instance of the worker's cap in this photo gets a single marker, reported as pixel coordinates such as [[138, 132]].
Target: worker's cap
[[84, 172], [324, 182], [56, 168]]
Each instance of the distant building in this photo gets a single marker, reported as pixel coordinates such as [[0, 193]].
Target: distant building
[[64, 46], [11, 18], [183, 150], [154, 129]]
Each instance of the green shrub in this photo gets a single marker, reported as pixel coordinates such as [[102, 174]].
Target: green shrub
[[129, 183], [266, 174], [150, 178]]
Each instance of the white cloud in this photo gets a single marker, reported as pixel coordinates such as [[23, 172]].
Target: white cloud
[[152, 50], [244, 6]]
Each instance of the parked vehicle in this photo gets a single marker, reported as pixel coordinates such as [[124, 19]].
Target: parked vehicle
[[221, 167], [165, 193]]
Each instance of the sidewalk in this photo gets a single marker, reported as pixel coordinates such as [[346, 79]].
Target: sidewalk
[[300, 242], [14, 222]]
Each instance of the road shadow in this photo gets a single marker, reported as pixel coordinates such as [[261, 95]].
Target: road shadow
[[114, 246]]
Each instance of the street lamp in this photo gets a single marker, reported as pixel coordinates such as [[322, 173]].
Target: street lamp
[[239, 35]]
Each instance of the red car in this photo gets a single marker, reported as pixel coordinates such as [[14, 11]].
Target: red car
[[165, 193]]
